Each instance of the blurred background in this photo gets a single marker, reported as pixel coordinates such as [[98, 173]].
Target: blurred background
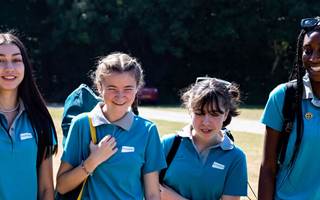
[[250, 42]]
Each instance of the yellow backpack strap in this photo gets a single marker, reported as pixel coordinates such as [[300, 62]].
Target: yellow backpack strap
[[94, 140], [92, 131]]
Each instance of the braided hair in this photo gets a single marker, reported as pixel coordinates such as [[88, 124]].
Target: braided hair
[[297, 73]]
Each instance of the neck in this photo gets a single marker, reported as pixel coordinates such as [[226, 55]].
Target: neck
[[8, 101], [316, 88], [202, 143], [112, 115]]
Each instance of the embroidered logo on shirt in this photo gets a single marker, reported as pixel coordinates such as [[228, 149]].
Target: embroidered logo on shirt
[[25, 136], [218, 166], [127, 149]]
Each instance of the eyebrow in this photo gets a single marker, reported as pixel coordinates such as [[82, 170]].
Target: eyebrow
[[15, 54]]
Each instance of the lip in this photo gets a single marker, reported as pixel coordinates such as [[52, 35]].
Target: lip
[[315, 68], [9, 77], [119, 104]]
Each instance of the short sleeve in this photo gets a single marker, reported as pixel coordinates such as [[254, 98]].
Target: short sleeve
[[272, 114], [237, 178], [72, 152], [154, 156]]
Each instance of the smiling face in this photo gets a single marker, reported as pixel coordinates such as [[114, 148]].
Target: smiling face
[[11, 68], [118, 91], [311, 55]]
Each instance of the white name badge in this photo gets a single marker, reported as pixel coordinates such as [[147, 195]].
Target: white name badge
[[127, 149], [218, 166], [25, 136]]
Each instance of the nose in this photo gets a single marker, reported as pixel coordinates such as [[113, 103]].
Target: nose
[[206, 119], [315, 57], [7, 65]]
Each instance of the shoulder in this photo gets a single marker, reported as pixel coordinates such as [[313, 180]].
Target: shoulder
[[80, 119], [278, 90], [143, 123]]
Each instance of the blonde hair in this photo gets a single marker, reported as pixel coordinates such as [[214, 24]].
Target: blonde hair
[[118, 62]]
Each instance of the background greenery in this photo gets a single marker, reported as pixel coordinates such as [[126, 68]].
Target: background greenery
[[251, 42]]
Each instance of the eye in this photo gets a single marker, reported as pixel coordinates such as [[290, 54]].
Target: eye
[[198, 112], [308, 51], [17, 60]]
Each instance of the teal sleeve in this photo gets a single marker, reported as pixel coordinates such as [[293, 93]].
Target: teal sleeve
[[76, 147], [154, 156], [272, 114]]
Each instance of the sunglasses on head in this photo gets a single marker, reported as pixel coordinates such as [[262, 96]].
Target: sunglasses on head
[[199, 79], [309, 23]]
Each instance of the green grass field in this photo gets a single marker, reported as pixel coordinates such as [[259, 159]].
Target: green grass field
[[251, 144]]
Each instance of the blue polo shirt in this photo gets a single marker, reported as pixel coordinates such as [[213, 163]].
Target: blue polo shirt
[[304, 180], [121, 176], [219, 170], [18, 155]]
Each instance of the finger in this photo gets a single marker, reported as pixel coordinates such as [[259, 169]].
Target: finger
[[106, 138]]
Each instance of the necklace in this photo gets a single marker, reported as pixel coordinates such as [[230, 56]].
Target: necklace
[[9, 111]]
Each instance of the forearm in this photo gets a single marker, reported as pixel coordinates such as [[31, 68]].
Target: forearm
[[46, 194], [70, 179], [266, 184]]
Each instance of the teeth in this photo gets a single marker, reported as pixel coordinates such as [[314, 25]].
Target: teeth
[[316, 68], [9, 77]]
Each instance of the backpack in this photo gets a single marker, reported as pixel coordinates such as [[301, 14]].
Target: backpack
[[289, 112], [82, 99]]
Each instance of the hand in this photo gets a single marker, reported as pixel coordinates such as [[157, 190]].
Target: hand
[[169, 194], [103, 150]]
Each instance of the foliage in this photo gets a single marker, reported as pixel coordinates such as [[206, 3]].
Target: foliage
[[251, 42]]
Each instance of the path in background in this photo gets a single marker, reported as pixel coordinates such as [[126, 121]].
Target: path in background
[[237, 124]]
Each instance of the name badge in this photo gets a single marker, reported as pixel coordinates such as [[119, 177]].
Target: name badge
[[25, 136], [218, 166], [127, 149]]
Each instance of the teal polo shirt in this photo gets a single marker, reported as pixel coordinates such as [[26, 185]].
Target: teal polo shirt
[[18, 155], [219, 170], [304, 180], [121, 176]]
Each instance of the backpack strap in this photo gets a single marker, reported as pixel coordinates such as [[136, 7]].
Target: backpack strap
[[170, 156], [288, 112], [93, 134]]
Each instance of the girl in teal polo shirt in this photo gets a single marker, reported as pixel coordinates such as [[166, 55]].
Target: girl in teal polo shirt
[[207, 165], [297, 177], [27, 133], [125, 162]]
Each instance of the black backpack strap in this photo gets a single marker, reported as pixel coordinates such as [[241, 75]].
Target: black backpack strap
[[288, 111], [170, 156]]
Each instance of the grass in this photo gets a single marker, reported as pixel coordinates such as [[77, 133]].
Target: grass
[[251, 144]]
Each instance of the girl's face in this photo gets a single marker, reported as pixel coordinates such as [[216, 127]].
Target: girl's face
[[118, 91], [206, 124], [311, 55], [11, 67]]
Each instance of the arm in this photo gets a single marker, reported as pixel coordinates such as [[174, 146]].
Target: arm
[[268, 168], [45, 185], [151, 186], [70, 177], [227, 197], [169, 194]]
